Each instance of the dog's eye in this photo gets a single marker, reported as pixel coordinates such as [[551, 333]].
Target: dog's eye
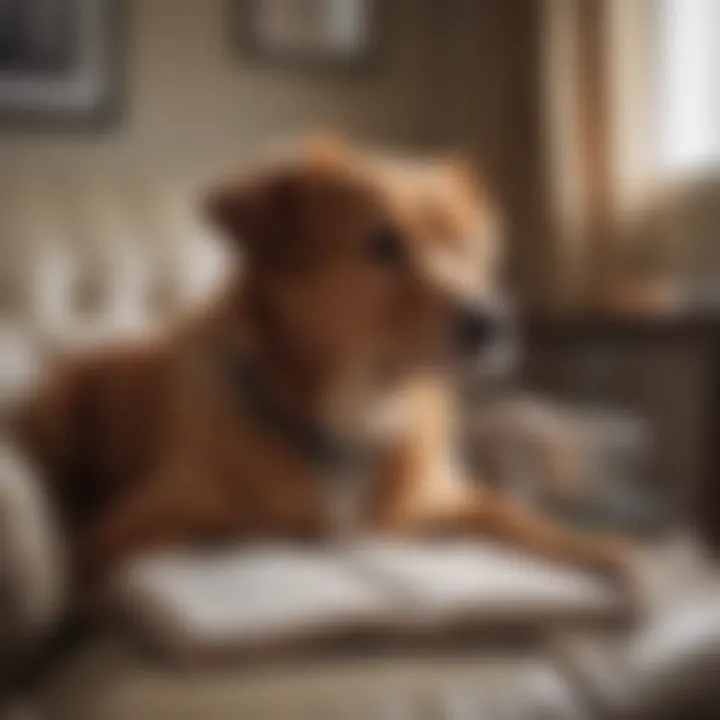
[[385, 247]]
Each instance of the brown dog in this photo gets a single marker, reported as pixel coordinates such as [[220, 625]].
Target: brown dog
[[313, 397]]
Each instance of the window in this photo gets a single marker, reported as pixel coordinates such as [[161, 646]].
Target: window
[[689, 85]]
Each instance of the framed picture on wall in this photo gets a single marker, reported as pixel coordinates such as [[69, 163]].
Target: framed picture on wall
[[59, 60], [332, 32]]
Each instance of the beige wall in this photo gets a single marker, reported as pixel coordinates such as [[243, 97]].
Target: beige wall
[[190, 96], [458, 73]]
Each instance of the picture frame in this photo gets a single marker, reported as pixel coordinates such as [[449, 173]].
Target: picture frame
[[60, 62], [340, 34]]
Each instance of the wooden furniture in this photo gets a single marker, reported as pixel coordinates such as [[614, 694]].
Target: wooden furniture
[[665, 369]]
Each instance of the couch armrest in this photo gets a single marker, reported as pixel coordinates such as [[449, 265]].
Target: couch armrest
[[32, 558]]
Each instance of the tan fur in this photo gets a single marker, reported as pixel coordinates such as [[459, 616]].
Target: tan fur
[[151, 447]]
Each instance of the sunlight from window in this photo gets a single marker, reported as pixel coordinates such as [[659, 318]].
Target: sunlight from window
[[689, 107]]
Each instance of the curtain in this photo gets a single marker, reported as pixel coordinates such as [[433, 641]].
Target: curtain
[[491, 104], [598, 84], [555, 99]]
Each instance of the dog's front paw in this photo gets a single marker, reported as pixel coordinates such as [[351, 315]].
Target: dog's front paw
[[617, 561]]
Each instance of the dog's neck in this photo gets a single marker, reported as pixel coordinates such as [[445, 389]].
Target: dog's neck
[[330, 415], [317, 445]]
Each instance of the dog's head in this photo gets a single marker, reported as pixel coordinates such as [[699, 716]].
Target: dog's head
[[363, 264]]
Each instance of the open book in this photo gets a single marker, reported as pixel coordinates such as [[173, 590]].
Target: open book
[[270, 595]]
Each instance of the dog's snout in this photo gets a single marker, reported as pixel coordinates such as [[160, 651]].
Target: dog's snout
[[477, 327]]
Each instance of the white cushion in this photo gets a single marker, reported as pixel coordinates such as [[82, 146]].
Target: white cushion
[[87, 260]]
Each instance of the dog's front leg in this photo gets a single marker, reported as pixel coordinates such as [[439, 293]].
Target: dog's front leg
[[157, 513], [422, 491], [475, 512]]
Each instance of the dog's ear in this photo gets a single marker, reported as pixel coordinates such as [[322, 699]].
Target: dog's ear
[[262, 215]]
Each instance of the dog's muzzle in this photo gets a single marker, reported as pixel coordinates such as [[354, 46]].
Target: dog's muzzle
[[480, 325], [486, 340]]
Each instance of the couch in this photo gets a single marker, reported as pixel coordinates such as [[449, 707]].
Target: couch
[[83, 260]]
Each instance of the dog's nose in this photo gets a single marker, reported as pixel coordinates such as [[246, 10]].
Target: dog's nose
[[477, 326]]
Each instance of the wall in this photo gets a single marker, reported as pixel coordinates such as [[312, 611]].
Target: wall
[[458, 73], [191, 96], [494, 88]]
